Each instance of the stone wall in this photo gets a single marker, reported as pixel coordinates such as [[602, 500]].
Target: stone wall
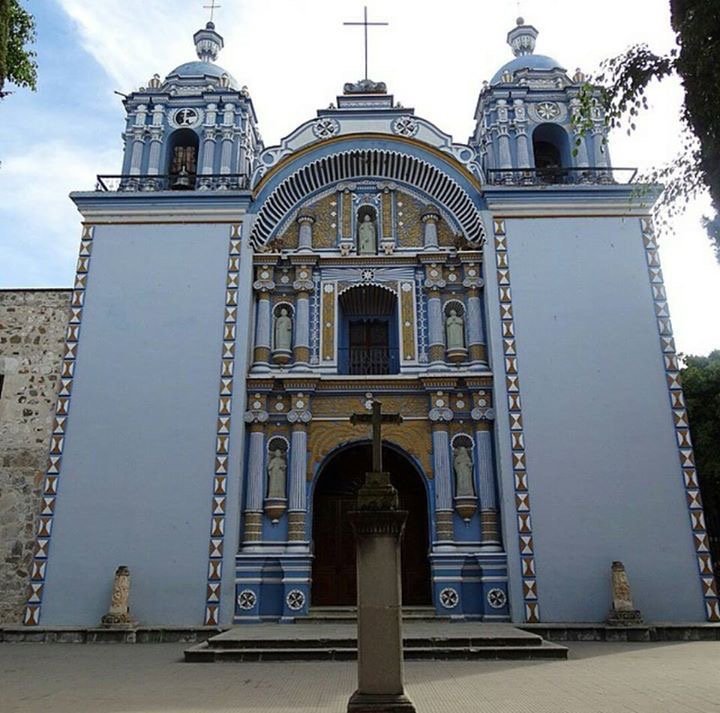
[[32, 332]]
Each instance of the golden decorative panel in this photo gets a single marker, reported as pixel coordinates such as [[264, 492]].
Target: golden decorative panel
[[387, 197], [409, 223], [346, 203], [412, 436], [446, 237], [342, 406], [407, 306], [328, 322]]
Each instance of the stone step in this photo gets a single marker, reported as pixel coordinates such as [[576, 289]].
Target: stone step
[[203, 653], [333, 641], [349, 614]]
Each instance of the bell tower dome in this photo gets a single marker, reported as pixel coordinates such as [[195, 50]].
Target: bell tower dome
[[524, 130], [194, 130]]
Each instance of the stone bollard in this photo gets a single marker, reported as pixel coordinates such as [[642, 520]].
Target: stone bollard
[[119, 613], [623, 612]]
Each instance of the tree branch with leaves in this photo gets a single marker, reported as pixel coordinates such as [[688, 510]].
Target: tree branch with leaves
[[619, 90], [17, 59]]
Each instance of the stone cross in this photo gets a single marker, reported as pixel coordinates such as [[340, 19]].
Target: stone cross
[[212, 7], [376, 418], [365, 24]]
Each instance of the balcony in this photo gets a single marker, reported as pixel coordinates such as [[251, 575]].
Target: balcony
[[176, 182], [559, 176], [367, 361]]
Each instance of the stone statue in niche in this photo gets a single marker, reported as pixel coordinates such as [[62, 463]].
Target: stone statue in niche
[[455, 330], [463, 466], [277, 469], [283, 331], [367, 243]]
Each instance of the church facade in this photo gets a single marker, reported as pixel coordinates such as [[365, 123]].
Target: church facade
[[236, 304]]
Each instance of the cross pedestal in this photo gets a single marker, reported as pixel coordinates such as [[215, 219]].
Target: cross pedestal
[[378, 527]]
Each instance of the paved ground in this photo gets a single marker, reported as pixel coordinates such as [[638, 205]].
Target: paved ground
[[150, 678]]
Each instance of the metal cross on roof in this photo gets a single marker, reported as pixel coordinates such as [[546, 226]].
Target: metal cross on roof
[[376, 418], [212, 7], [365, 24]]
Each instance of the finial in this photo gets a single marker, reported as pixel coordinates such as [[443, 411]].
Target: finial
[[212, 7], [208, 43], [522, 38]]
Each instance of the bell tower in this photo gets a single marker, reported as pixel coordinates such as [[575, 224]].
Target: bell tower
[[194, 130], [524, 130]]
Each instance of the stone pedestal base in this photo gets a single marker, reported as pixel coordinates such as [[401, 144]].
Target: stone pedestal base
[[379, 703], [620, 617], [378, 530]]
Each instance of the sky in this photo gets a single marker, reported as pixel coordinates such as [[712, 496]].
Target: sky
[[295, 55]]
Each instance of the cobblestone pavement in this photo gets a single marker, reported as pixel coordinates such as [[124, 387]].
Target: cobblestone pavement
[[151, 678]]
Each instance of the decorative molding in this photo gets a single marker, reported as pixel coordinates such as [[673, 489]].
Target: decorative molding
[[519, 465], [222, 436], [371, 162], [680, 421], [38, 570]]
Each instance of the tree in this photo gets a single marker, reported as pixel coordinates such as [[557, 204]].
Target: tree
[[17, 61], [701, 383], [623, 81]]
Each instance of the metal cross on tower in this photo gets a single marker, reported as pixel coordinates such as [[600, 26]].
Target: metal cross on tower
[[376, 418], [212, 7], [365, 24]]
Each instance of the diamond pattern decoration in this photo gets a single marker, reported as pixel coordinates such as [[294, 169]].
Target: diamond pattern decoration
[[222, 440], [38, 569], [519, 461], [679, 413]]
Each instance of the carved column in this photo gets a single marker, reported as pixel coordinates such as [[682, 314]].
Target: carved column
[[256, 419], [581, 160], [263, 286], [304, 286], [521, 137], [434, 283], [474, 322], [305, 231], [504, 155], [483, 417], [156, 138], [226, 155], [440, 417], [138, 148], [299, 418], [430, 219]]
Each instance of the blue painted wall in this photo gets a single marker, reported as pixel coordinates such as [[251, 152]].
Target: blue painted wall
[[136, 479], [604, 475]]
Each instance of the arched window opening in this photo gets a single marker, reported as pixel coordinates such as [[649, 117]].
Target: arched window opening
[[551, 149], [182, 159], [368, 333]]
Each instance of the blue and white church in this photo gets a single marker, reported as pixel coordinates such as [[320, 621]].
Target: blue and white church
[[235, 304]]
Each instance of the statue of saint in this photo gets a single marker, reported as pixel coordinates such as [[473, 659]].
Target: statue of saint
[[366, 236], [276, 474], [463, 466], [455, 331], [283, 331]]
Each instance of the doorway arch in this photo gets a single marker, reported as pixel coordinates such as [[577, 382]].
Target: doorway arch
[[334, 562]]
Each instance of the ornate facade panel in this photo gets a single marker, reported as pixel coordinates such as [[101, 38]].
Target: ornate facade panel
[[50, 488], [519, 464], [408, 221], [682, 427], [328, 322], [325, 437], [222, 440]]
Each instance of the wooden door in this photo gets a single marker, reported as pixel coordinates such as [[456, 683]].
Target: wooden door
[[334, 564]]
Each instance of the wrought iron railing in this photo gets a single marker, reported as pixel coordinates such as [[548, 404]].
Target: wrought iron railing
[[177, 182], [369, 360], [559, 176]]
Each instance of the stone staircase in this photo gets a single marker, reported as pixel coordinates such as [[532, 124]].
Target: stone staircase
[[332, 636]]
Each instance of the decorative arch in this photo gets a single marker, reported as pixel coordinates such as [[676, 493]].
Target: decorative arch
[[391, 164]]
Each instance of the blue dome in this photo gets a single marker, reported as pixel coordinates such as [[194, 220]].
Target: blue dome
[[527, 61], [200, 70]]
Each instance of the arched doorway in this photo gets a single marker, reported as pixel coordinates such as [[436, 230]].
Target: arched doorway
[[334, 576]]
